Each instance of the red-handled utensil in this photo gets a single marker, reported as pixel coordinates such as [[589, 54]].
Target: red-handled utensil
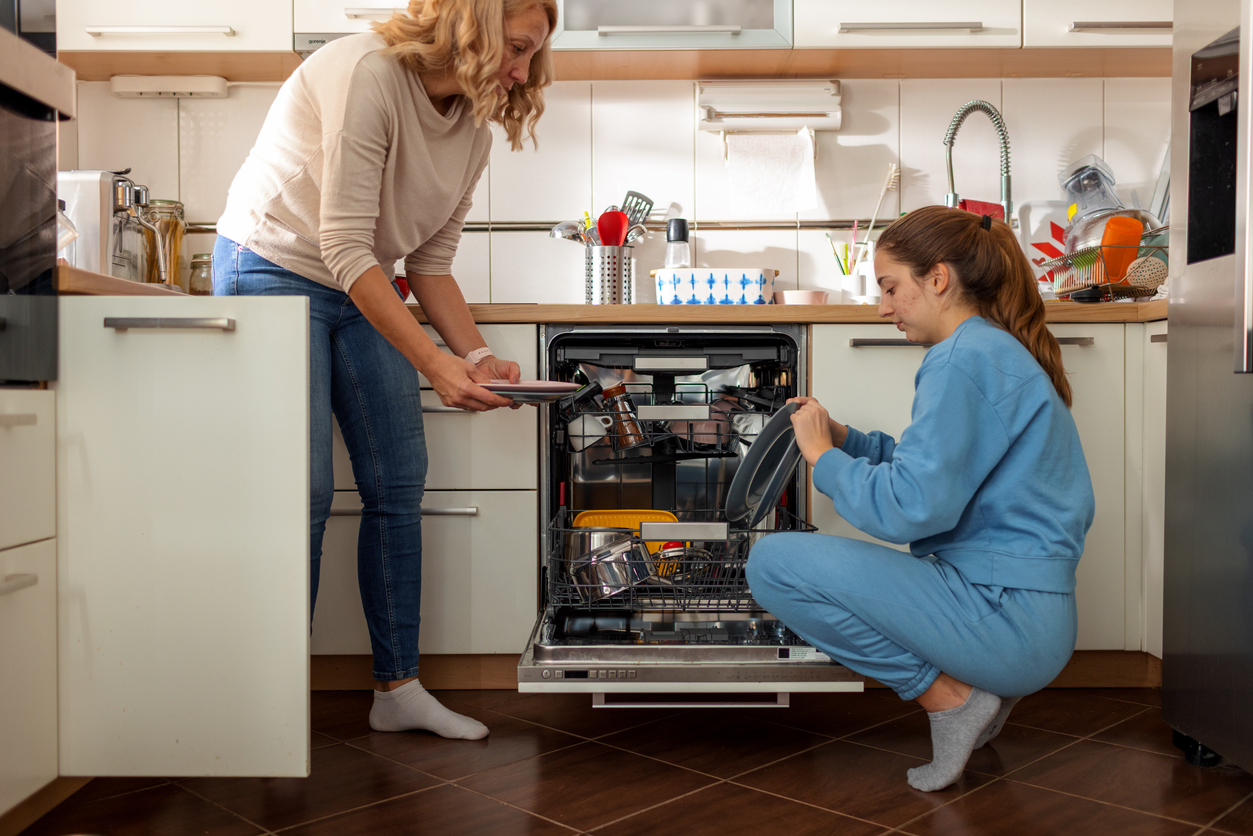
[[612, 226]]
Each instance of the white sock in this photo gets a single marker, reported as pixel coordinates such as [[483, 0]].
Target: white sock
[[953, 736], [412, 707], [994, 728]]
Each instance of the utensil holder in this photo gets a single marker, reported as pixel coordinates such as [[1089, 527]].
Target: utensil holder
[[608, 275]]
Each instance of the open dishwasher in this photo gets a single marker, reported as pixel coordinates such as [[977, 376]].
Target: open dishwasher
[[648, 530]]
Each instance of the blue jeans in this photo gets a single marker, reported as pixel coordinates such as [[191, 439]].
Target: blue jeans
[[372, 390], [903, 619]]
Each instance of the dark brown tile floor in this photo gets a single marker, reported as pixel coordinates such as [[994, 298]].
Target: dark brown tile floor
[[1071, 762]]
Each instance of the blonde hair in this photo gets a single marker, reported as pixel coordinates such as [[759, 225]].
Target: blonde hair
[[991, 271], [468, 38]]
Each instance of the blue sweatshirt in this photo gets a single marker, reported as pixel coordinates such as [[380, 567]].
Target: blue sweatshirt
[[989, 475]]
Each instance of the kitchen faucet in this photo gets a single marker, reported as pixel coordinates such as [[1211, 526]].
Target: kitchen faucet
[[951, 199]]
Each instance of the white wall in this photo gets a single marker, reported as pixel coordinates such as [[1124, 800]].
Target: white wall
[[598, 139]]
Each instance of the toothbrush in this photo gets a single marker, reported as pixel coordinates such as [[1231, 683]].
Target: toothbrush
[[838, 263], [889, 183]]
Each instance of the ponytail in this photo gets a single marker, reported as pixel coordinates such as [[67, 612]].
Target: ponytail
[[991, 270]]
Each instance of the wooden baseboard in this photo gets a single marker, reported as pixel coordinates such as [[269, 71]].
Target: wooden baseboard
[[471, 672], [39, 805]]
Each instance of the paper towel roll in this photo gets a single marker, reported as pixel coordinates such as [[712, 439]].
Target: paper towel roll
[[772, 173]]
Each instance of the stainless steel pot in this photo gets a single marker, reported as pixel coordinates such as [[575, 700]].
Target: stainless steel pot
[[613, 569]]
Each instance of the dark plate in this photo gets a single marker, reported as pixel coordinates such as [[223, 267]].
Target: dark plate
[[764, 473]]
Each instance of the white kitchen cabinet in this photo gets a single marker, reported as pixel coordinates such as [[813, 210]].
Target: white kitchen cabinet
[[28, 462], [479, 561], [28, 670], [908, 24], [665, 24], [871, 388], [156, 25], [474, 450], [182, 547], [1104, 23], [341, 16]]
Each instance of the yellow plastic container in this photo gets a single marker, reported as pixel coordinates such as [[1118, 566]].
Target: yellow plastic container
[[624, 519]]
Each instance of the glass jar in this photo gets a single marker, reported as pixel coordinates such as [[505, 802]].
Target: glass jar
[[167, 217], [626, 432], [200, 282]]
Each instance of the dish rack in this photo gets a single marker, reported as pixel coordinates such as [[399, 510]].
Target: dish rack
[[700, 575], [1082, 274]]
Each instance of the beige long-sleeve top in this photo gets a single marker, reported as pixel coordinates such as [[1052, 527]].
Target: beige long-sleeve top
[[355, 167]]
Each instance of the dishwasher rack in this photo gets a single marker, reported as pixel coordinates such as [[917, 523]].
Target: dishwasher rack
[[705, 572]]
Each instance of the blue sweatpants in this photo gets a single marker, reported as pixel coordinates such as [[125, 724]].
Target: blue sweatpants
[[903, 619]]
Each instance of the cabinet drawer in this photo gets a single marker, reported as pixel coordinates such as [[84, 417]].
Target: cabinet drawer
[[1103, 24], [494, 450], [28, 462], [913, 24], [339, 16], [479, 569], [148, 25], [28, 670]]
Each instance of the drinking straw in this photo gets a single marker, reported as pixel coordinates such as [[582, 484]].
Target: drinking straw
[[838, 263]]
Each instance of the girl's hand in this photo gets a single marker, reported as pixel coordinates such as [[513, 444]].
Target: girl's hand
[[457, 384], [813, 426]]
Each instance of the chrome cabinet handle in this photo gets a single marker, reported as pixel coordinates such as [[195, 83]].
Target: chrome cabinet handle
[[1157, 338], [371, 11], [97, 31], [1105, 25], [930, 26], [1080, 341], [20, 419], [468, 511], [711, 29], [122, 323], [12, 583], [862, 342]]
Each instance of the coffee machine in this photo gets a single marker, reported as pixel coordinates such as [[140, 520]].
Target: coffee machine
[[106, 207]]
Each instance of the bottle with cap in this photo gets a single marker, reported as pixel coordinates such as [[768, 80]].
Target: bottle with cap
[[678, 251]]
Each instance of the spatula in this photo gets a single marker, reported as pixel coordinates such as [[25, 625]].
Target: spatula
[[612, 226], [637, 207]]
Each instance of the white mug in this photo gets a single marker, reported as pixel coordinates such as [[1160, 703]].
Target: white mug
[[586, 429]]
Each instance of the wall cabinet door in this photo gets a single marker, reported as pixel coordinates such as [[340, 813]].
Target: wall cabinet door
[[28, 465], [912, 24], [479, 574], [1105, 23], [183, 547], [156, 25], [28, 670], [665, 24], [339, 16], [871, 388]]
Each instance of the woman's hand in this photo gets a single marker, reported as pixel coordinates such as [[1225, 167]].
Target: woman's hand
[[814, 429], [456, 381], [493, 368]]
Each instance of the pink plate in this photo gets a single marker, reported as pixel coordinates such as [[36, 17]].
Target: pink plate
[[504, 387]]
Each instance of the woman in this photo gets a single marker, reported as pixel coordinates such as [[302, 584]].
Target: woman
[[988, 485], [370, 154]]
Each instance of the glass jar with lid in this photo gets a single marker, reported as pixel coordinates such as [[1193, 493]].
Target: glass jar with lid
[[200, 282], [167, 217]]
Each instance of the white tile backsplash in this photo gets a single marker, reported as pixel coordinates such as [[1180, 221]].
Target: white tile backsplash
[[643, 139], [139, 134], [214, 138], [599, 139], [927, 109], [1051, 122], [554, 181], [1137, 133]]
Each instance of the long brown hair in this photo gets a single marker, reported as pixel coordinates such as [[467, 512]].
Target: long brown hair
[[468, 36], [992, 274]]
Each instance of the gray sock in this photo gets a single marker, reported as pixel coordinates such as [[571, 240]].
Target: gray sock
[[953, 736], [412, 707], [994, 728]]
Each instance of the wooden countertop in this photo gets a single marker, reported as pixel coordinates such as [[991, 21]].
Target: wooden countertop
[[70, 281], [749, 314]]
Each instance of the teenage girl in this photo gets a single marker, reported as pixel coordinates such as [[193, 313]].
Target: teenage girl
[[988, 486]]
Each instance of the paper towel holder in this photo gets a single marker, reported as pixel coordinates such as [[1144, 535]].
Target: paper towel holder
[[768, 105]]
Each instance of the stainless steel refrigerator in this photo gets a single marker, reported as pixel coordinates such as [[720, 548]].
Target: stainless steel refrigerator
[[1207, 671]]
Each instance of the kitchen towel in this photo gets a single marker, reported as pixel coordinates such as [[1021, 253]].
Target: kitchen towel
[[772, 174]]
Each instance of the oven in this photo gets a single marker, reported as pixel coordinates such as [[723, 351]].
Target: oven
[[642, 567]]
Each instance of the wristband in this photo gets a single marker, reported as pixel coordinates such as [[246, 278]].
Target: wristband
[[478, 355]]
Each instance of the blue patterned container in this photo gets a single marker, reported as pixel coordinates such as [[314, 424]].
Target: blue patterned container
[[715, 286]]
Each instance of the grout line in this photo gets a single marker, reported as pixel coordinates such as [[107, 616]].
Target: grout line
[[655, 806], [358, 808], [1219, 817], [516, 807], [227, 810], [900, 828], [1108, 803]]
